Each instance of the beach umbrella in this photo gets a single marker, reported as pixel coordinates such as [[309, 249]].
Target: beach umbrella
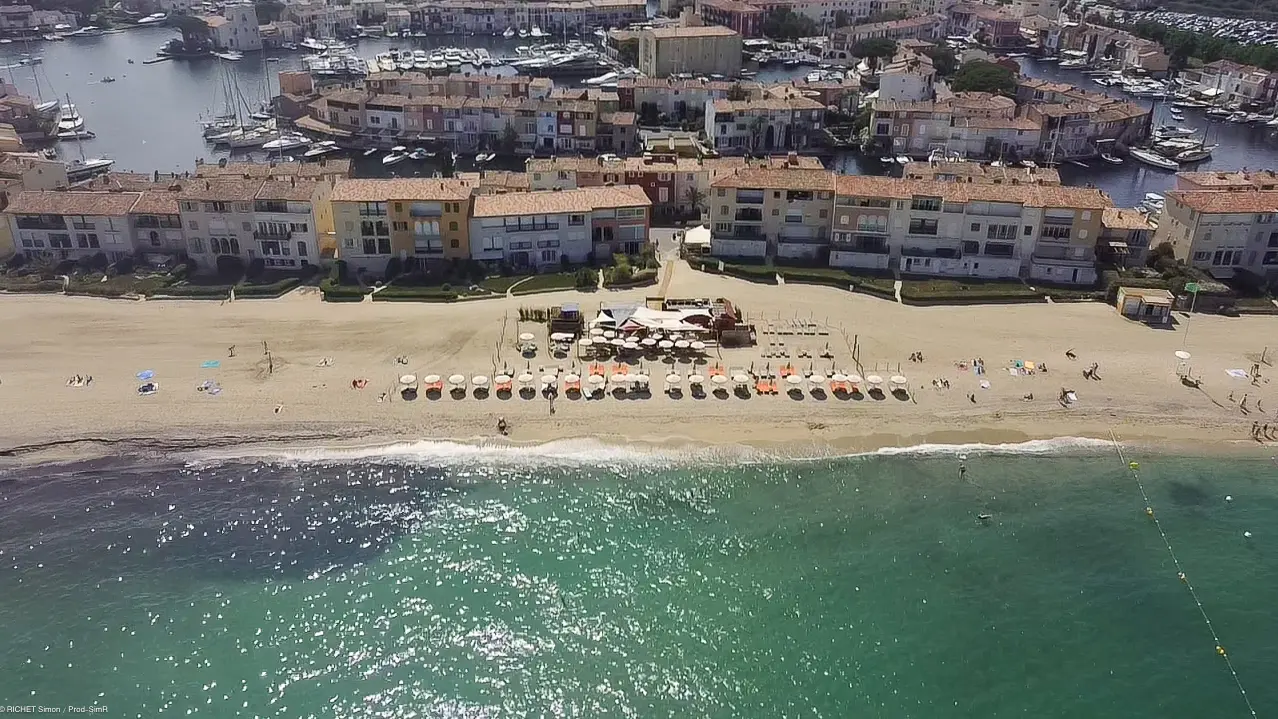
[[665, 344], [897, 379], [719, 379], [874, 379], [596, 332], [146, 374], [457, 380], [560, 336], [549, 379], [596, 379], [695, 379], [673, 378], [620, 378], [617, 342], [741, 378], [501, 378], [840, 377], [526, 337], [1182, 355], [698, 345], [585, 342], [479, 380], [430, 378], [648, 342], [609, 334], [795, 379], [631, 345], [407, 378], [817, 379], [854, 379], [682, 344], [525, 378], [572, 378], [640, 378]]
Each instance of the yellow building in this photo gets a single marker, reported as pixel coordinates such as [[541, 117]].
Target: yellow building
[[417, 220], [708, 50]]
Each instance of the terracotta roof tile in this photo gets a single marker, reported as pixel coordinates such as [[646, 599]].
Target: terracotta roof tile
[[550, 202], [156, 202], [400, 189], [1220, 203], [222, 189], [662, 33], [101, 204], [296, 190], [778, 178], [1117, 218], [1026, 194]]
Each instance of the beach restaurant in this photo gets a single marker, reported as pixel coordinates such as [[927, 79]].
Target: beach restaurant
[[1143, 304], [637, 318]]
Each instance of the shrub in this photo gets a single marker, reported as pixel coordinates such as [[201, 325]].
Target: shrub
[[334, 292], [340, 274], [272, 289], [256, 268], [125, 265], [586, 279], [476, 271], [620, 274], [16, 261], [505, 268], [230, 267], [64, 267], [394, 267], [446, 287]]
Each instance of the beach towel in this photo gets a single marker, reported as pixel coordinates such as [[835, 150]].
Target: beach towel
[[210, 364], [1237, 373]]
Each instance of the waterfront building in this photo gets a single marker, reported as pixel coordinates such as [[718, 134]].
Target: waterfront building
[[420, 221], [1049, 9], [156, 223], [1075, 122], [1101, 42], [916, 129], [1124, 238], [1000, 29], [457, 84], [319, 19], [71, 225], [825, 12], [908, 77], [927, 28], [495, 16], [951, 171], [767, 124], [699, 50], [280, 32], [741, 16], [1237, 180], [236, 28], [492, 182], [542, 229], [1228, 82], [678, 98], [1222, 232], [762, 213]]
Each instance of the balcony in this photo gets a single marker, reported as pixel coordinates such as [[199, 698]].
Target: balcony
[[40, 222], [805, 239], [867, 244], [428, 244], [534, 227], [749, 214], [946, 253], [421, 210], [272, 234], [749, 197]]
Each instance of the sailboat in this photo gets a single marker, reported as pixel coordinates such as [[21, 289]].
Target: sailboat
[[510, 32], [84, 168]]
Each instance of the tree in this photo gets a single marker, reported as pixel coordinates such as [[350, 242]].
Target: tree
[[873, 49], [1161, 257], [695, 198], [648, 114], [447, 164], [509, 140], [982, 76], [842, 19], [268, 10], [784, 24], [229, 267], [758, 127], [943, 60]]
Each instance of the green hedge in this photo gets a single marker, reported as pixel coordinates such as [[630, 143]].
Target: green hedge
[[642, 278], [196, 292], [414, 294], [94, 289], [271, 290], [20, 284], [754, 273], [334, 292]]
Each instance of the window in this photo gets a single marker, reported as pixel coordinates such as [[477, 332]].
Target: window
[[452, 226], [155, 238], [922, 227], [197, 245], [1029, 230], [192, 225], [580, 219], [400, 226], [348, 243], [1273, 239], [775, 212], [1056, 232], [971, 247], [926, 204], [976, 227], [297, 227], [550, 255], [301, 248], [1201, 256], [85, 240], [1000, 232], [823, 214], [60, 242], [1000, 249], [454, 244]]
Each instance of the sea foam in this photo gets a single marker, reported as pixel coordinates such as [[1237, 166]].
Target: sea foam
[[594, 452]]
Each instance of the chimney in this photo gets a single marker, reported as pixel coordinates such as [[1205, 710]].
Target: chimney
[[792, 159]]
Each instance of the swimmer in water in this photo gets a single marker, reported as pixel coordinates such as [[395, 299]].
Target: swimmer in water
[[962, 471]]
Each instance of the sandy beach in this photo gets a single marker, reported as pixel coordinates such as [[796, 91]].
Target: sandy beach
[[44, 341]]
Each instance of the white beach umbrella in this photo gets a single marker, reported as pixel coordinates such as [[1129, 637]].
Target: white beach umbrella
[[698, 345], [874, 379], [525, 378], [854, 379], [631, 345], [673, 378], [897, 379], [526, 337], [817, 379], [430, 378], [407, 378], [621, 378], [617, 342], [457, 379], [840, 377], [648, 342], [585, 342], [696, 379], [665, 344], [682, 344], [1182, 354], [572, 378], [640, 378], [719, 379], [596, 379], [479, 380], [795, 379], [741, 378], [560, 336], [549, 379], [596, 332], [609, 334], [501, 378]]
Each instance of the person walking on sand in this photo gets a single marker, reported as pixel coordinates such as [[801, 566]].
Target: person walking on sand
[[1255, 428], [230, 351]]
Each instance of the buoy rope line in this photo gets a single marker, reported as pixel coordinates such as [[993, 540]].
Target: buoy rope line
[[1180, 571]]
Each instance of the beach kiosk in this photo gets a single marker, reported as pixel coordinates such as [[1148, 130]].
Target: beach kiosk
[[1143, 304]]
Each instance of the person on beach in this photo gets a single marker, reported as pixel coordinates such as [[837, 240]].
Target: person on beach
[[501, 425], [230, 351]]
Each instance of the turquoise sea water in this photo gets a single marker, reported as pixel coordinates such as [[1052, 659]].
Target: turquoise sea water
[[857, 587]]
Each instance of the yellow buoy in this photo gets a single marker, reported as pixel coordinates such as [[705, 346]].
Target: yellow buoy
[[1133, 465], [1220, 650], [1149, 511], [1181, 575]]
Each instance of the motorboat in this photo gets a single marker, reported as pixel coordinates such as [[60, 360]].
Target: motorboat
[[418, 154], [510, 32], [286, 142], [1219, 113], [523, 32], [398, 154], [83, 169], [76, 135], [1111, 159], [321, 148], [1150, 157], [485, 157], [229, 55], [69, 119], [311, 43], [370, 151], [245, 138], [902, 160], [1195, 155], [1174, 131], [887, 159], [537, 32], [107, 78], [1153, 201], [153, 18]]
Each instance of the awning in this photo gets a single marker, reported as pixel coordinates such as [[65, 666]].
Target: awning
[[1118, 245], [310, 123]]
